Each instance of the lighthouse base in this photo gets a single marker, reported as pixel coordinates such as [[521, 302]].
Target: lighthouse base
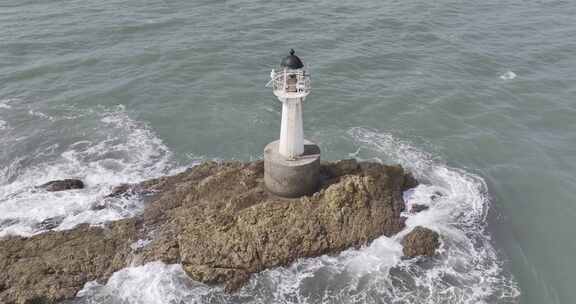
[[292, 178]]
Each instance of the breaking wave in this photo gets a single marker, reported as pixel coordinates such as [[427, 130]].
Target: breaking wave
[[5, 103], [115, 149], [467, 269]]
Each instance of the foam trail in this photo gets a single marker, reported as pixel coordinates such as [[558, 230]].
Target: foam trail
[[121, 150], [508, 75], [5, 103], [467, 269], [152, 283]]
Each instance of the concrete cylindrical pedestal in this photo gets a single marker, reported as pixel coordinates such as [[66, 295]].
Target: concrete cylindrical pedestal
[[292, 178]]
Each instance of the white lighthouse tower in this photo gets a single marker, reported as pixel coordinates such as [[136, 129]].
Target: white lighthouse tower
[[291, 164], [291, 84]]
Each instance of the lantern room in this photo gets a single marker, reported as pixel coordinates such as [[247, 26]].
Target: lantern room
[[292, 79]]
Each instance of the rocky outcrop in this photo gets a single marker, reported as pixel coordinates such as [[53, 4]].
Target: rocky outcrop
[[61, 185], [420, 242], [55, 265], [218, 221]]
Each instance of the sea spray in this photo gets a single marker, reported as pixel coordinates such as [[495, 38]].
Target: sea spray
[[466, 270], [120, 150]]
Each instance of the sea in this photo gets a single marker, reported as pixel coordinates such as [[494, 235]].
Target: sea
[[476, 98]]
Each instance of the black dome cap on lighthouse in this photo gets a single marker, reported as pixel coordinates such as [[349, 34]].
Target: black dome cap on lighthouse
[[292, 61]]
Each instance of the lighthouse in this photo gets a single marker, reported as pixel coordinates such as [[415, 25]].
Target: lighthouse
[[291, 85], [291, 163]]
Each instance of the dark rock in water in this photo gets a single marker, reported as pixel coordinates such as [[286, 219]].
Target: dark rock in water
[[437, 195], [144, 188], [419, 208], [100, 205], [410, 182], [61, 185], [121, 190], [118, 192], [50, 223], [420, 242], [218, 221]]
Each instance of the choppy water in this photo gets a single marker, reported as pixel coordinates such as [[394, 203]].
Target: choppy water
[[475, 97]]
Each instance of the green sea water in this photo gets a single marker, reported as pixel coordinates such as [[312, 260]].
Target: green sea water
[[477, 97]]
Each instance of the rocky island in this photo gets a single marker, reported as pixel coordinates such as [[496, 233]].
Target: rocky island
[[218, 220]]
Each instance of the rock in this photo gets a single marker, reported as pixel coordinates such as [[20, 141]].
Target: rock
[[61, 185], [54, 265], [436, 196], [121, 190], [420, 242], [419, 208], [410, 182], [340, 168], [99, 205], [218, 221], [50, 223]]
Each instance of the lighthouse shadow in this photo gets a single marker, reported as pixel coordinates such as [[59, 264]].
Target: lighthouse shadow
[[310, 150], [331, 172]]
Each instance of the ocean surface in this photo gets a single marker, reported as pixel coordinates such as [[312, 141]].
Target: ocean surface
[[477, 98]]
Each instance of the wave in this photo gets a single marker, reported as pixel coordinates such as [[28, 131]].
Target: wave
[[5, 103], [119, 150], [467, 269]]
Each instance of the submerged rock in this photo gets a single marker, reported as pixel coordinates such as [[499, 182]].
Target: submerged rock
[[416, 208], [61, 185], [218, 221], [50, 223], [420, 242], [121, 190]]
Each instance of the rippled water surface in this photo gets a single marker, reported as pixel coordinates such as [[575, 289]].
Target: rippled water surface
[[477, 98]]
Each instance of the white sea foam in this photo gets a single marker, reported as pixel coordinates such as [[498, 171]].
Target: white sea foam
[[129, 153], [5, 103], [40, 114], [152, 283], [508, 75], [467, 269], [140, 244]]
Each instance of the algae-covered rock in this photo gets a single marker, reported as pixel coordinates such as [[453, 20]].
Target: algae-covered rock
[[218, 221], [61, 185], [420, 242], [55, 265]]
